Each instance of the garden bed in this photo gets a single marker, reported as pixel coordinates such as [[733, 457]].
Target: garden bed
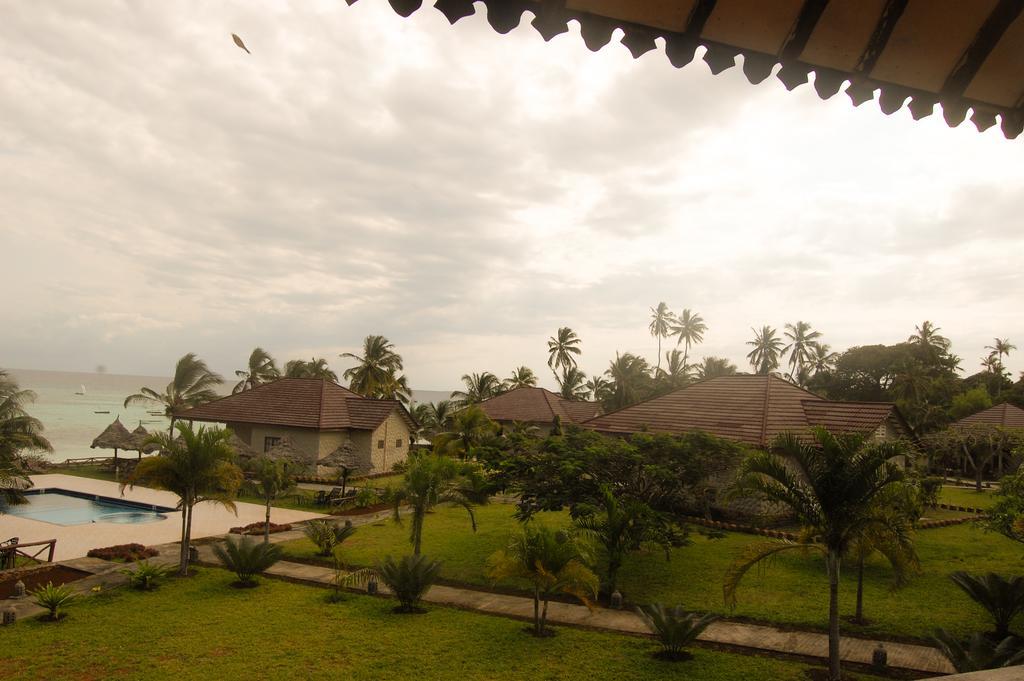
[[36, 576]]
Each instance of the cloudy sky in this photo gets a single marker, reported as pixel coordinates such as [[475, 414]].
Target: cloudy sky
[[462, 193]]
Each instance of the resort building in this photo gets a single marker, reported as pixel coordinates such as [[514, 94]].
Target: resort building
[[317, 418], [993, 427], [538, 407], [1005, 415]]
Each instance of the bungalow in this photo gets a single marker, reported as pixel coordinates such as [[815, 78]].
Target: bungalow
[[537, 407], [318, 418], [1000, 428]]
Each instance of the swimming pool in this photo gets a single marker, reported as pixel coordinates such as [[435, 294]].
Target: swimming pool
[[64, 507]]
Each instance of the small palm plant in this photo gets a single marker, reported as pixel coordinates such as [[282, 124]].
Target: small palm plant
[[145, 576], [247, 558], [1002, 597], [675, 629], [408, 579], [54, 599], [980, 652], [327, 535]]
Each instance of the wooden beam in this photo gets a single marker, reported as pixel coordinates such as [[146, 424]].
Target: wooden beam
[[891, 14], [699, 16], [988, 36], [808, 18]]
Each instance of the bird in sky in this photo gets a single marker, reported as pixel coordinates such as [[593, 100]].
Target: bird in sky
[[238, 41]]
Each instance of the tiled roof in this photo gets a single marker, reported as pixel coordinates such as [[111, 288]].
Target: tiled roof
[[298, 403], [1004, 414], [537, 405], [745, 408]]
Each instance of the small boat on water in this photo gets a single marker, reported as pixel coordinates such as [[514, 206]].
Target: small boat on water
[[101, 412], [82, 391]]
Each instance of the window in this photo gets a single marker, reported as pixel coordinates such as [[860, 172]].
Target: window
[[269, 442], [398, 443], [380, 444]]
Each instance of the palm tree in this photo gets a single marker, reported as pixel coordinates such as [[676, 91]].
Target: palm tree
[[927, 337], [563, 348], [554, 562], [522, 377], [376, 369], [315, 368], [198, 466], [262, 369], [767, 349], [598, 388], [433, 479], [468, 428], [676, 374], [269, 479], [18, 432], [831, 485], [438, 416], [712, 367], [631, 378], [479, 387], [192, 385], [801, 345], [396, 387], [1002, 597], [823, 359], [688, 328], [573, 384], [661, 320], [1001, 346]]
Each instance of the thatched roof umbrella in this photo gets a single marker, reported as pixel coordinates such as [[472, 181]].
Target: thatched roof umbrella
[[115, 436], [241, 448], [345, 459], [285, 450], [140, 441]]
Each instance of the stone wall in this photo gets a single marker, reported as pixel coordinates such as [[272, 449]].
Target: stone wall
[[389, 443]]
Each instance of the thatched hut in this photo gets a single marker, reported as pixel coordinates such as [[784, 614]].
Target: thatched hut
[[285, 450], [115, 436]]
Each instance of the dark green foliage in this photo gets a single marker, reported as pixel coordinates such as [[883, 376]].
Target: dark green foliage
[[675, 629], [145, 576], [980, 652], [247, 558], [1007, 514], [930, 489], [327, 535], [53, 598], [1002, 597], [409, 578]]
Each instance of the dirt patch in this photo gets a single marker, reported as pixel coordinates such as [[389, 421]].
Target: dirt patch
[[34, 577]]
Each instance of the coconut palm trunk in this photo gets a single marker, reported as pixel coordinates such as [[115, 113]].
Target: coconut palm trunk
[[834, 672], [183, 556], [266, 524]]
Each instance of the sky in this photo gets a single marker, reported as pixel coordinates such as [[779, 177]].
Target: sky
[[462, 193]]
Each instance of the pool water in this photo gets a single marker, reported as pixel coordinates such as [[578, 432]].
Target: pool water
[[62, 507]]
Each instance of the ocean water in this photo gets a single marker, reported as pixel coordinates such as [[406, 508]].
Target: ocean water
[[72, 421]]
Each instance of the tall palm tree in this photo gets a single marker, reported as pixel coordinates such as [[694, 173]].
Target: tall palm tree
[[598, 388], [823, 359], [467, 429], [198, 466], [991, 364], [801, 345], [315, 368], [631, 379], [396, 387], [661, 321], [261, 369], [688, 328], [927, 336], [712, 367], [573, 384], [19, 432], [375, 369], [563, 348], [522, 377], [1001, 346], [192, 385], [479, 387], [767, 350], [676, 373], [439, 415], [830, 484]]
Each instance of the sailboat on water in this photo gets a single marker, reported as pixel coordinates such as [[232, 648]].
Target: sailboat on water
[[81, 391]]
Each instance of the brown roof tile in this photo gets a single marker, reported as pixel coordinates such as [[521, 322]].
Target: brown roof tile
[[298, 403], [1005, 414], [537, 405]]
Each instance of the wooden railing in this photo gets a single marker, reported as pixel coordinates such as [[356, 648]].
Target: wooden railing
[[9, 553], [88, 461]]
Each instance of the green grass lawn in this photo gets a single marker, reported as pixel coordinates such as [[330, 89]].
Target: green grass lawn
[[793, 590], [962, 496], [201, 628]]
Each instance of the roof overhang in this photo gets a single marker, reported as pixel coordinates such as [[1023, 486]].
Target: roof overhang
[[966, 56]]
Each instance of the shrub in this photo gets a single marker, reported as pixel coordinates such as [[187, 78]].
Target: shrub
[[53, 598], [931, 487], [128, 553], [145, 576], [247, 558], [327, 535], [674, 629], [980, 652], [1002, 597], [366, 496], [258, 528], [409, 578]]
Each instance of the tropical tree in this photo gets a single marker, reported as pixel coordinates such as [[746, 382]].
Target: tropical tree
[[437, 416], [468, 428], [396, 387], [479, 387], [927, 337], [19, 433], [554, 562], [801, 346], [198, 466], [980, 651], [1007, 513], [376, 369], [1002, 597], [598, 388], [563, 349], [676, 373], [830, 484], [767, 350], [193, 384], [631, 380], [712, 367], [661, 322], [1001, 346], [315, 368], [522, 377], [688, 328], [823, 359], [433, 479], [269, 479], [261, 369], [573, 384]]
